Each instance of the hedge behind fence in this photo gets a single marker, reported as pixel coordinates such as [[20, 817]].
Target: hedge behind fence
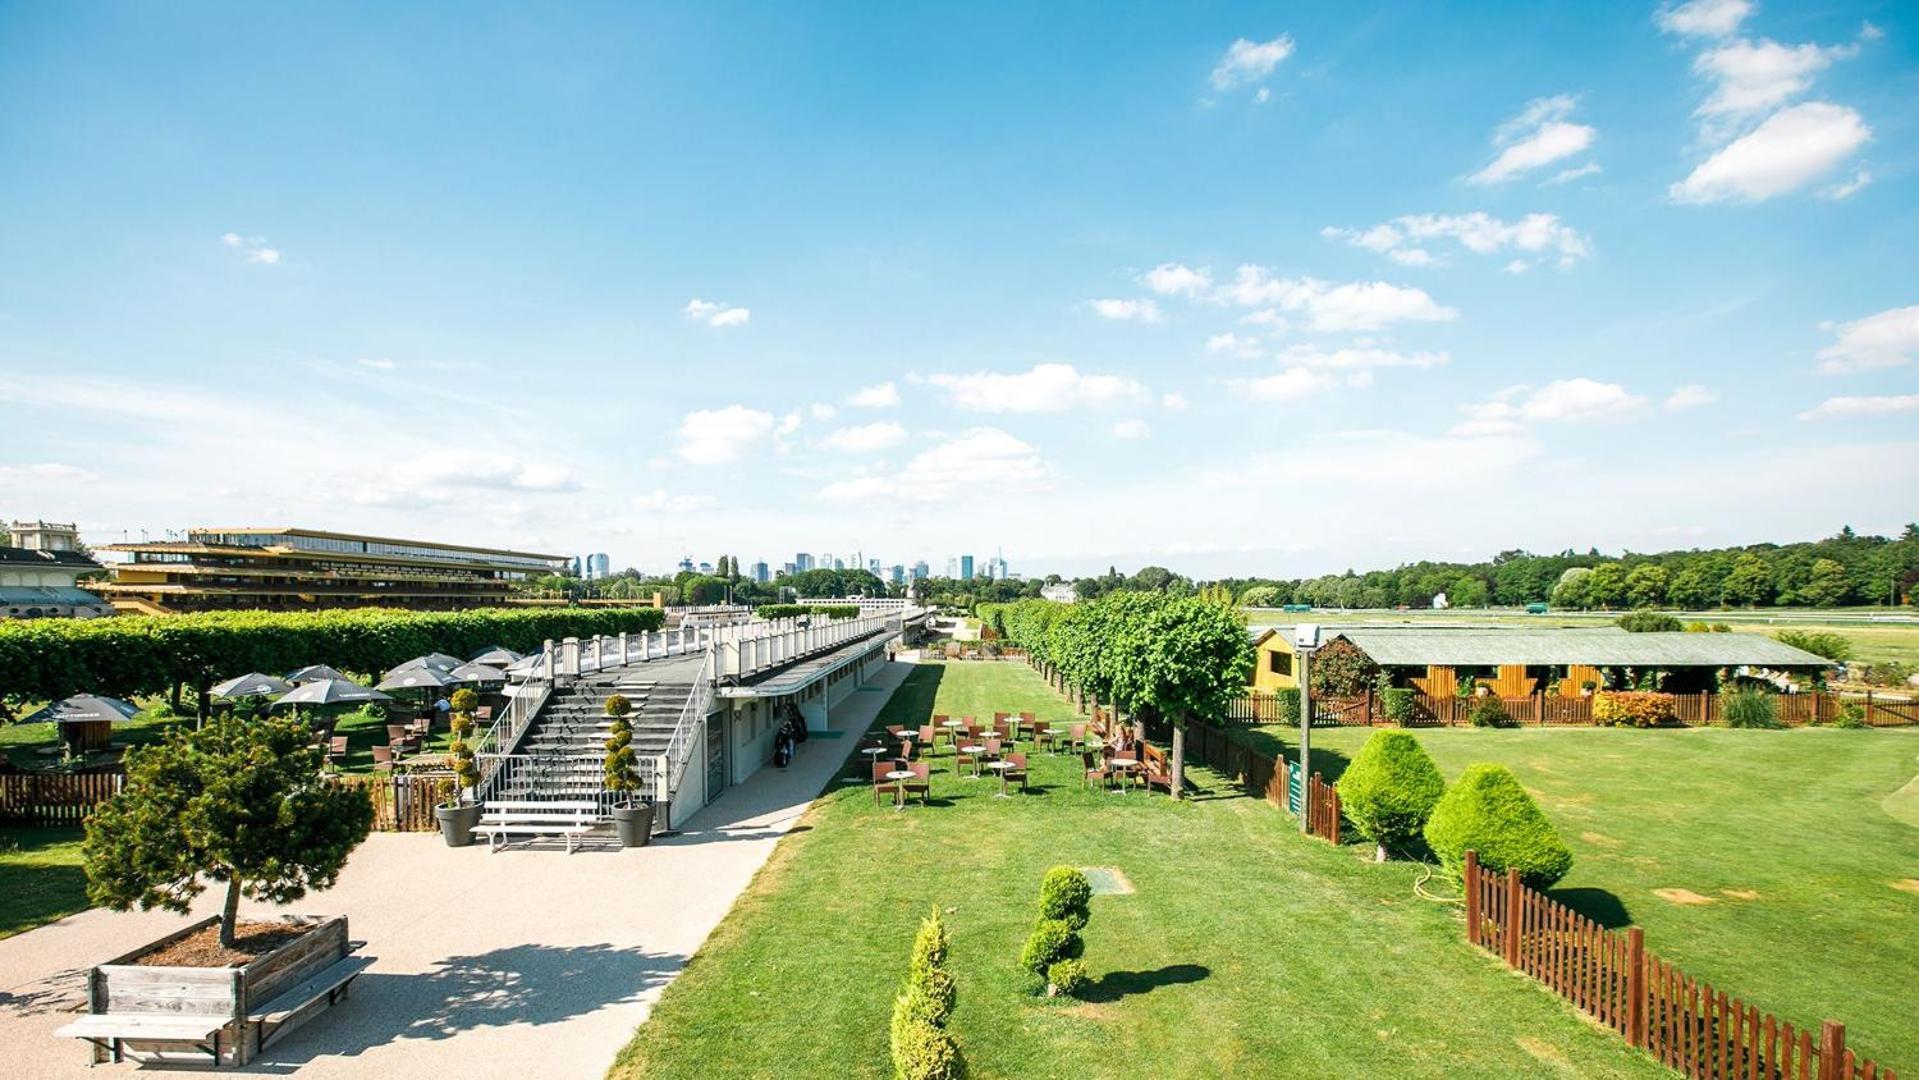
[[139, 654]]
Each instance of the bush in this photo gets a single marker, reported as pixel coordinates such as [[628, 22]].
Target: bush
[[1488, 711], [464, 701], [1486, 810], [1632, 708], [1068, 977], [617, 705], [1340, 669], [1396, 704], [1748, 708], [792, 611], [1390, 789], [1066, 895], [1648, 621], [922, 1047], [925, 1052], [1052, 940], [1286, 700], [1851, 715], [1818, 642]]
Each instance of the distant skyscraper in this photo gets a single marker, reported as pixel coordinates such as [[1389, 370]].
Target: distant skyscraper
[[761, 573], [999, 571], [706, 568], [579, 567], [789, 569], [921, 571], [686, 565], [897, 575], [839, 564], [598, 566], [873, 568], [966, 568], [803, 562]]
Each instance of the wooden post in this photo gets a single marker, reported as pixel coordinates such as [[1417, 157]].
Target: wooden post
[[1636, 987], [1868, 708], [1832, 1047], [1515, 895], [1369, 706], [1472, 897], [1539, 707]]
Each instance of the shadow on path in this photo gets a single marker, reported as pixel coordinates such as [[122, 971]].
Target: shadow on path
[[1118, 984]]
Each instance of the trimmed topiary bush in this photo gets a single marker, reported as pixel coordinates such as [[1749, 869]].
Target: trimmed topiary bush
[[1632, 708], [1052, 940], [1486, 810], [617, 705], [1286, 700], [1750, 707], [925, 1052], [922, 1047], [1067, 977], [1066, 895], [1390, 790], [1488, 711]]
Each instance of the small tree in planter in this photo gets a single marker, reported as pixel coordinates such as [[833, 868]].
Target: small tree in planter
[[239, 802], [457, 813], [632, 818]]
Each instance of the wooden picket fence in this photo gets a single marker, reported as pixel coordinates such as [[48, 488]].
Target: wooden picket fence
[[400, 803], [1688, 1025], [40, 799], [1322, 809], [1552, 710]]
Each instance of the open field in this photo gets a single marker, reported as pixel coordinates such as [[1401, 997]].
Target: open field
[[1781, 865], [1877, 634], [40, 877], [1245, 948]]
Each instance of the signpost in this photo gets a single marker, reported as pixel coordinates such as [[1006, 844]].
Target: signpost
[[1305, 642]]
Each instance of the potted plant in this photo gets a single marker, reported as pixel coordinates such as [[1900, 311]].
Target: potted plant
[[633, 818], [457, 813]]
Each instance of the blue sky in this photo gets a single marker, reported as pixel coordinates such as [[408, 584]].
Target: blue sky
[[1235, 288]]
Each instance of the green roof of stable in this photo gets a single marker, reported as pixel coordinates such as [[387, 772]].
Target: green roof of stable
[[1599, 646]]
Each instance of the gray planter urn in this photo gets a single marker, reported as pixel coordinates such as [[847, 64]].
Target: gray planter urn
[[634, 824], [456, 823]]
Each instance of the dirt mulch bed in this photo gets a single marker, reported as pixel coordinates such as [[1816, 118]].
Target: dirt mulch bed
[[202, 948]]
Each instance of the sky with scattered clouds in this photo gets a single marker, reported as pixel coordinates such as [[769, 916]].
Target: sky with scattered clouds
[[1234, 290]]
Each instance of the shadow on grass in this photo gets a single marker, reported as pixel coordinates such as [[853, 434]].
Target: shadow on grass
[[1599, 905], [1115, 985]]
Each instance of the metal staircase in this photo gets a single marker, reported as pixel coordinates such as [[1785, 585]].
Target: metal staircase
[[563, 755]]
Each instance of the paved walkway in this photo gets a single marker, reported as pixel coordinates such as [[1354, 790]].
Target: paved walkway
[[524, 964]]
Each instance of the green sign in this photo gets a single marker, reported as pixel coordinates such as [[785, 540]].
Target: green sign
[[1295, 787]]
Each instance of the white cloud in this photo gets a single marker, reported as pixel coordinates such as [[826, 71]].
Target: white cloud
[[1792, 148], [46, 474], [1174, 401], [1849, 188], [820, 410], [1139, 310], [659, 501], [1540, 135], [1691, 396], [1863, 406], [1354, 305], [1564, 176], [1889, 338], [1046, 388], [1289, 385], [376, 363], [1263, 96], [980, 460], [1234, 344], [717, 436], [716, 313], [253, 248], [1176, 279], [879, 396], [1565, 400], [1359, 359], [1478, 232], [1755, 76], [1704, 18], [1249, 61], [447, 475], [865, 438], [1133, 428]]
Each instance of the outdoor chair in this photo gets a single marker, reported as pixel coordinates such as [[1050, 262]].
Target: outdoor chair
[[1044, 735], [1003, 730], [992, 754], [895, 730], [1096, 769], [922, 782], [1154, 771], [1001, 717], [1076, 737], [926, 737], [336, 748], [1018, 770], [383, 759], [940, 730], [906, 748], [397, 734], [881, 785]]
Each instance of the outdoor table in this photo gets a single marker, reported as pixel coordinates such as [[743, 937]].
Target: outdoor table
[[872, 755], [899, 792], [973, 752], [1124, 765], [1002, 768]]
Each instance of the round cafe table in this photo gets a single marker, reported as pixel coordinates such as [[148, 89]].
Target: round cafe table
[[1002, 768], [952, 729], [973, 752], [1125, 765], [872, 755], [899, 793]]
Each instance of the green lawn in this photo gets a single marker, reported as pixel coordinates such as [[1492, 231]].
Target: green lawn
[[1246, 949], [40, 877], [1793, 844]]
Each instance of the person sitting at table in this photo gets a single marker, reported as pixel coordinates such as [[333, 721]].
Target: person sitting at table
[[442, 710]]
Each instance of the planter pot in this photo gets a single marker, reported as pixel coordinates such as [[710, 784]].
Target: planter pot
[[456, 823], [634, 824]]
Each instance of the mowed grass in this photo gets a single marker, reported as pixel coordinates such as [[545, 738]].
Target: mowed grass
[[40, 877], [1245, 949], [1783, 866]]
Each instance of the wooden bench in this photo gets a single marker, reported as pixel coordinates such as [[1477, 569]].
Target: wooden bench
[[302, 1001], [558, 817], [112, 1031]]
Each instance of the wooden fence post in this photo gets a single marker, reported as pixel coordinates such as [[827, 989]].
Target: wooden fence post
[[1636, 987], [1515, 896], [1832, 1047], [1868, 708], [1472, 897], [1539, 707]]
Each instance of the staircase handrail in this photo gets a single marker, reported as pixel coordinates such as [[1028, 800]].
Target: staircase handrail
[[679, 746]]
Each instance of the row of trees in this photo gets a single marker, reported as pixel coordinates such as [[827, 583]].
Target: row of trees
[[130, 655], [1146, 654]]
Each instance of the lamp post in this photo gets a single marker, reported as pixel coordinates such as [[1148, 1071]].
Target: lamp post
[[1305, 643]]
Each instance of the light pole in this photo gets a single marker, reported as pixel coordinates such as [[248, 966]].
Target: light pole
[[1305, 643]]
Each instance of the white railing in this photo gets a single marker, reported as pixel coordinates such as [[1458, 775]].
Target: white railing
[[745, 651], [558, 776], [669, 769]]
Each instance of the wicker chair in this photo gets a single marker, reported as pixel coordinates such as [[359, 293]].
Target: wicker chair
[[922, 782], [1018, 770], [1095, 769], [881, 785]]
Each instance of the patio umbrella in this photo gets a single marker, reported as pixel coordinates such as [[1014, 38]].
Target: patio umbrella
[[252, 684], [497, 656], [438, 660], [530, 664], [416, 678], [315, 673], [83, 708], [330, 692], [477, 673]]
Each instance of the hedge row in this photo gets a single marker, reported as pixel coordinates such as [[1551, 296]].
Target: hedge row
[[133, 655], [792, 611]]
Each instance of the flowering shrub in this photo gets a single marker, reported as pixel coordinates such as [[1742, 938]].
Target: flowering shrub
[[1632, 708]]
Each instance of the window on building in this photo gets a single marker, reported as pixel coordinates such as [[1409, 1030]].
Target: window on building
[[1279, 663]]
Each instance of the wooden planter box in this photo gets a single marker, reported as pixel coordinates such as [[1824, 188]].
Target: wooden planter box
[[234, 994]]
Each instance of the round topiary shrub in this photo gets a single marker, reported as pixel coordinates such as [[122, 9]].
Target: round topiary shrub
[[1390, 789], [1486, 810], [924, 1052], [1052, 940], [617, 705], [1065, 894], [1488, 711], [1067, 977]]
